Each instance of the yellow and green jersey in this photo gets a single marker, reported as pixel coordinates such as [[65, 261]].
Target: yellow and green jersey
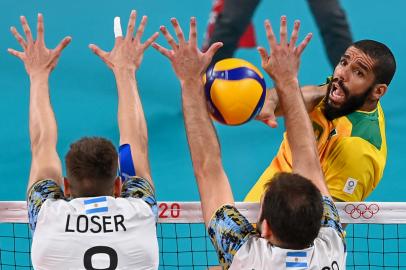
[[352, 151]]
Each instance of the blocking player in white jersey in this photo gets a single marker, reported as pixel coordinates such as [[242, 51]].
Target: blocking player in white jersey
[[298, 227], [99, 221]]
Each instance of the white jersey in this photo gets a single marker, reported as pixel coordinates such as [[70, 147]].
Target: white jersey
[[239, 247], [326, 253], [95, 233]]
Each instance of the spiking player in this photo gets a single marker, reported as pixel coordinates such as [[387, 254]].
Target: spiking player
[[348, 123]]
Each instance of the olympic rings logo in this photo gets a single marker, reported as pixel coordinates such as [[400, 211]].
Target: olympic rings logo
[[361, 210]]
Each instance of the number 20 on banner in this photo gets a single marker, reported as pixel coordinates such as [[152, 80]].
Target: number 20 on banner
[[169, 210]]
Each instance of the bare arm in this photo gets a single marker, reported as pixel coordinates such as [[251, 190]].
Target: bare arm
[[124, 60], [282, 65], [39, 62], [312, 95], [213, 184], [189, 64]]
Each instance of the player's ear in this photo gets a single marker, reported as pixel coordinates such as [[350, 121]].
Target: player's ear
[[117, 187], [66, 187], [265, 230], [378, 91]]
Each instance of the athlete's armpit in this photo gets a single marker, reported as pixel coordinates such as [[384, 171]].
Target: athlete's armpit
[[38, 194], [228, 231], [331, 218], [138, 187]]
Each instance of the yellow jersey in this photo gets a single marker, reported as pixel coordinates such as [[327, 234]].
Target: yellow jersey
[[352, 151]]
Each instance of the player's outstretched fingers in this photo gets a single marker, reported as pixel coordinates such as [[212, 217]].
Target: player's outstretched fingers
[[141, 28], [294, 36], [40, 29], [213, 49], [178, 31], [149, 41], [304, 44], [193, 32], [62, 45], [118, 32], [131, 25], [26, 29], [162, 50], [16, 53], [264, 56], [169, 37], [283, 31], [270, 35], [18, 37], [97, 51]]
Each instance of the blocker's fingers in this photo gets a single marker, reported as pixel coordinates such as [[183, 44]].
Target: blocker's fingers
[[118, 32], [62, 45], [283, 31], [162, 50], [270, 35], [27, 29], [178, 30], [141, 28], [40, 29], [295, 34], [150, 40], [18, 37], [97, 51], [213, 49], [16, 53], [304, 44], [131, 25], [263, 54], [193, 32], [168, 37]]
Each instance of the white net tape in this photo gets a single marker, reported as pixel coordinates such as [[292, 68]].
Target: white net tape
[[190, 212]]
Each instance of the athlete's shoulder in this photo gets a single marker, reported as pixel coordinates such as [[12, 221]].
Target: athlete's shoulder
[[367, 126]]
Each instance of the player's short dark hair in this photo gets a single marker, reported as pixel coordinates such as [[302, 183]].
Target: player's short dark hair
[[385, 64], [292, 206], [91, 166]]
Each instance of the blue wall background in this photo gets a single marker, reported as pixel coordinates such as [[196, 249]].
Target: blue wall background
[[84, 96]]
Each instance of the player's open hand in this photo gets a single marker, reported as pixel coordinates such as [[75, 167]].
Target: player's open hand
[[37, 58], [128, 51], [283, 62], [187, 60]]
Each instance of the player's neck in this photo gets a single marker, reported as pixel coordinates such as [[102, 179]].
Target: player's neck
[[369, 106]]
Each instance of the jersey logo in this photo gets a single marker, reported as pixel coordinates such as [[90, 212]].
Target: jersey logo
[[296, 260], [332, 133], [96, 205], [350, 185]]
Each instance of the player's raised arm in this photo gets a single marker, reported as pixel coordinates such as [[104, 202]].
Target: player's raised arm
[[39, 61], [189, 64], [282, 65], [124, 60]]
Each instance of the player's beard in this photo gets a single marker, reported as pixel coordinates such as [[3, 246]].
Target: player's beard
[[351, 104]]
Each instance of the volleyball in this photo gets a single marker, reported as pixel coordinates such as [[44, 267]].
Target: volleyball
[[235, 91]]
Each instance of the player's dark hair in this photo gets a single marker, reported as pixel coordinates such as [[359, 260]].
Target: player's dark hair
[[385, 64], [292, 206], [91, 166]]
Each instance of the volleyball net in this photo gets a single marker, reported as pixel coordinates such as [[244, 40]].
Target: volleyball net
[[375, 235]]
